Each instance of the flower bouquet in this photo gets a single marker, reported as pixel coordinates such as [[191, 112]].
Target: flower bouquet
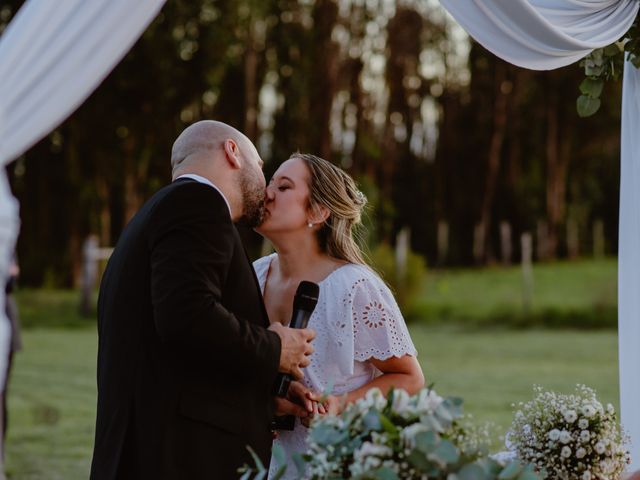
[[569, 437], [400, 437]]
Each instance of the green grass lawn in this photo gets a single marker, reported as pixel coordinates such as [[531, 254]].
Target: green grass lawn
[[565, 294], [52, 393]]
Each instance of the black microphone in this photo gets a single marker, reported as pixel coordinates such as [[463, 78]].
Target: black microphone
[[304, 303]]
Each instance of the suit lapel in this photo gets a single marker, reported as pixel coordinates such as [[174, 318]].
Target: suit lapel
[[263, 309]]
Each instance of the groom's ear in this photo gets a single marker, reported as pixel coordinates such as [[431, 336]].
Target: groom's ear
[[232, 153]]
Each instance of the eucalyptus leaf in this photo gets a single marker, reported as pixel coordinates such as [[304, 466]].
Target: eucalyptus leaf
[[371, 421], [383, 473], [510, 472], [299, 462], [445, 453], [592, 87], [528, 475], [388, 426], [587, 106], [419, 460], [256, 459], [472, 471], [427, 442], [278, 454]]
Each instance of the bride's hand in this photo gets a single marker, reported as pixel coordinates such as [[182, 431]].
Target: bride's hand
[[296, 403], [332, 404]]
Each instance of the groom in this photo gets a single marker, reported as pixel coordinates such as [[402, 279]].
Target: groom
[[186, 358]]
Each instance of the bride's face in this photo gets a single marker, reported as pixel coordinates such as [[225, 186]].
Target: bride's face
[[287, 199]]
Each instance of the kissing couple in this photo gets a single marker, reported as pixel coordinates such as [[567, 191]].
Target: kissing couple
[[192, 336]]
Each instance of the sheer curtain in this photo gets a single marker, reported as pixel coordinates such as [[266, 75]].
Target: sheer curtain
[[53, 55], [547, 34]]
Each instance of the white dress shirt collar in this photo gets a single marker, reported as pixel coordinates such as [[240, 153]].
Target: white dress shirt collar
[[206, 181]]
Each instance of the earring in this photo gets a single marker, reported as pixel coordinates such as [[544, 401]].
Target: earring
[[310, 225]]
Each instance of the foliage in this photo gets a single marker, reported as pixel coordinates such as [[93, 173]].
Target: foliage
[[605, 64], [406, 284], [399, 437], [570, 437]]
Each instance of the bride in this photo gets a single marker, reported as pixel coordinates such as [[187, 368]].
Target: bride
[[362, 342]]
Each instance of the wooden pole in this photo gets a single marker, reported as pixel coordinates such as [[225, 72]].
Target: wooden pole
[[526, 243]]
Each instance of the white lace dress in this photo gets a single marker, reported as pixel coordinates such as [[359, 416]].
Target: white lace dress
[[356, 319]]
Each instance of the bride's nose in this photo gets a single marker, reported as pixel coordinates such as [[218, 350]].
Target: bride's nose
[[268, 196]]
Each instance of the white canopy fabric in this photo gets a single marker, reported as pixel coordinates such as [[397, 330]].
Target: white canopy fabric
[[547, 34], [53, 55]]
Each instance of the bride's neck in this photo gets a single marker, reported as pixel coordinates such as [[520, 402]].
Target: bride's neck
[[296, 258]]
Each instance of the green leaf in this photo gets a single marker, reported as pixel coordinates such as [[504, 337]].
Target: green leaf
[[299, 462], [445, 453], [528, 475], [587, 106], [592, 87], [278, 454], [383, 473], [427, 442], [256, 459], [612, 50], [371, 421], [419, 460], [279, 473], [388, 426], [246, 475], [326, 435], [472, 472], [510, 472]]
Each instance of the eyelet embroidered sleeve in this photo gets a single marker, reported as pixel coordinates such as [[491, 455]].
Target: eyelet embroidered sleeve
[[379, 331]]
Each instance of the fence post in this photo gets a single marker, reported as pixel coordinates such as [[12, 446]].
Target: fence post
[[91, 255], [527, 272], [89, 272], [443, 242], [506, 249]]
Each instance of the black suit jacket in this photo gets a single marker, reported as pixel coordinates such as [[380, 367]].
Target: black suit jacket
[[185, 362]]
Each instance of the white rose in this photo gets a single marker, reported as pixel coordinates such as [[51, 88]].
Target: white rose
[[408, 434], [583, 423], [586, 475], [428, 401], [599, 448], [565, 452], [588, 411], [581, 453], [400, 402], [554, 434], [374, 398], [585, 436], [565, 437], [570, 416]]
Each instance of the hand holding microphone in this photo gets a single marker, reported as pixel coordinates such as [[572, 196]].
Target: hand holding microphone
[[296, 338]]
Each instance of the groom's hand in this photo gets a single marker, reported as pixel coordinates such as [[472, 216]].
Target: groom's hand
[[296, 403], [296, 348]]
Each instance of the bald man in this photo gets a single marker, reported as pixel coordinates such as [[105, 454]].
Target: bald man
[[186, 357]]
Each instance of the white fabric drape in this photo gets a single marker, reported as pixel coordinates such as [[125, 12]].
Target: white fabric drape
[[629, 261], [547, 34], [52, 56], [543, 34]]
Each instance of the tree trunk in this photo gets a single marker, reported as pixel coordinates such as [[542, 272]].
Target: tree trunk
[[493, 158]]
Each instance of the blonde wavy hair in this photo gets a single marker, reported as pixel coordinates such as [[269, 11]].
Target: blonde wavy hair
[[332, 188]]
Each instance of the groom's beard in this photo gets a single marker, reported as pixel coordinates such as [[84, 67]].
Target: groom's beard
[[252, 199]]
